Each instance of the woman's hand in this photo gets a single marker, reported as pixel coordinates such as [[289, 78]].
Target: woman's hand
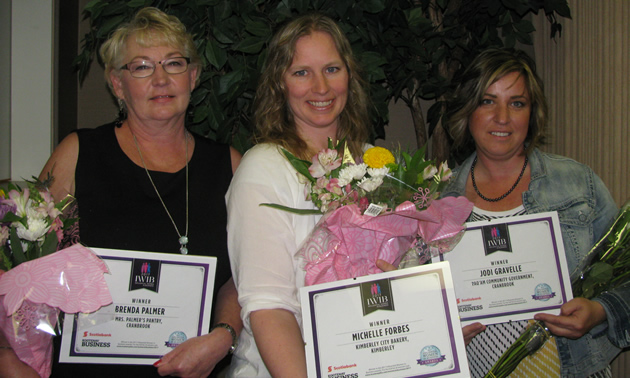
[[385, 266], [471, 331], [196, 357], [10, 364], [577, 317]]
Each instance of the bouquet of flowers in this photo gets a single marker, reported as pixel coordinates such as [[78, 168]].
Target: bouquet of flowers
[[379, 208], [605, 267], [35, 283], [31, 225]]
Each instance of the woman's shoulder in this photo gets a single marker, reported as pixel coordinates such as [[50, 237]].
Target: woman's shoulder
[[263, 153], [553, 164], [264, 161], [96, 131]]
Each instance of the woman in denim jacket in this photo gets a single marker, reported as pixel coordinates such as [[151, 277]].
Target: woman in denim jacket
[[499, 113]]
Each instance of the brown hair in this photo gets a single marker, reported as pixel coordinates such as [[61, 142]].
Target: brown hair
[[273, 118], [488, 67]]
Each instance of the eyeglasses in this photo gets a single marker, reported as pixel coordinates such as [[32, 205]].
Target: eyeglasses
[[146, 68]]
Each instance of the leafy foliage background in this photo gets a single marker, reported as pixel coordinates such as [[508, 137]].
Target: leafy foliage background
[[411, 50]]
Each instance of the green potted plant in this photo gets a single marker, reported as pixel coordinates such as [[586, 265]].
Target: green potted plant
[[410, 50]]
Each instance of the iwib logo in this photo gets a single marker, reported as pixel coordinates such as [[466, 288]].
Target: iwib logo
[[496, 238], [145, 274], [376, 295]]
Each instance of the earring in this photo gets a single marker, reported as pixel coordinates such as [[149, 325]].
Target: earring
[[122, 114]]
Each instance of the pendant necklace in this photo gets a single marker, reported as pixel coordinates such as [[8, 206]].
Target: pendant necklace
[[472, 176], [183, 239]]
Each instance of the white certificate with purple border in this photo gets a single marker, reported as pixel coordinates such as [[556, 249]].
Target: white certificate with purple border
[[159, 301], [510, 268], [395, 324]]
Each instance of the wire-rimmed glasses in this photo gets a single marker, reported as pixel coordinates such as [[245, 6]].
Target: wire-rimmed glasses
[[144, 68]]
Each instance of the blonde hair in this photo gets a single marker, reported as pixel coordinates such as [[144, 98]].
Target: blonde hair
[[272, 115], [150, 27], [486, 69]]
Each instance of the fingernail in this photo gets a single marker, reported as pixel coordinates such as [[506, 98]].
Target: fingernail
[[156, 363]]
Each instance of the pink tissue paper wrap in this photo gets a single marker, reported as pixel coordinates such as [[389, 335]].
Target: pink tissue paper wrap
[[33, 293], [346, 244]]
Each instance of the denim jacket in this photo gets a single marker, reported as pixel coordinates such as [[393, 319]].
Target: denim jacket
[[586, 211]]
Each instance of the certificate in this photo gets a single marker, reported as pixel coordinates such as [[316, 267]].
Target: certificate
[[510, 269], [159, 301], [394, 324]]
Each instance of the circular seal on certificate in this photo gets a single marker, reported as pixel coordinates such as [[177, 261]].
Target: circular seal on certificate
[[430, 355], [543, 292], [176, 338]]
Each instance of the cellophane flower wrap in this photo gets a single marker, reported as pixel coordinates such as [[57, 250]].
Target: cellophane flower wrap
[[381, 207], [36, 281], [605, 267]]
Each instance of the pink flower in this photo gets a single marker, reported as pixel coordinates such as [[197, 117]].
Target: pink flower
[[429, 172], [445, 171], [19, 200], [57, 227], [321, 183], [363, 204], [333, 187], [324, 162]]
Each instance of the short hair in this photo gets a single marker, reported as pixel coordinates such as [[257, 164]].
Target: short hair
[[273, 119], [150, 27], [488, 67]]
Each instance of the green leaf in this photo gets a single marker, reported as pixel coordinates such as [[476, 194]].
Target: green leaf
[[372, 6], [258, 28], [135, 3], [300, 165], [200, 113], [525, 26], [5, 261], [109, 26], [50, 244], [229, 80], [89, 7], [16, 247], [221, 36], [216, 55], [291, 209], [11, 217], [250, 45]]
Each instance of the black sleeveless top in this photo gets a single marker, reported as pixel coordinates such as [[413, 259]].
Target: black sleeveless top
[[118, 208]]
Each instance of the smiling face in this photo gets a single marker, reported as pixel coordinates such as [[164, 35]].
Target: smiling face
[[159, 97], [500, 123], [316, 85]]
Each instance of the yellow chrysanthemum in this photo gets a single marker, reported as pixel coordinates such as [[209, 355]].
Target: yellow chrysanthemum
[[377, 157]]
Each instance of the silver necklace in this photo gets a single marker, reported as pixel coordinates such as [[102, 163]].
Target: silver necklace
[[183, 239]]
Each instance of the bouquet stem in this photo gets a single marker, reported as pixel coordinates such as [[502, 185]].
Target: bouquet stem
[[605, 267], [530, 341]]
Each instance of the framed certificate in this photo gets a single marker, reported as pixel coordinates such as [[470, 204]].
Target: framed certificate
[[159, 301], [394, 324], [510, 269]]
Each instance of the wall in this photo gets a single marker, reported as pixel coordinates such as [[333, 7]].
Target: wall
[[32, 71], [587, 79], [5, 90]]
